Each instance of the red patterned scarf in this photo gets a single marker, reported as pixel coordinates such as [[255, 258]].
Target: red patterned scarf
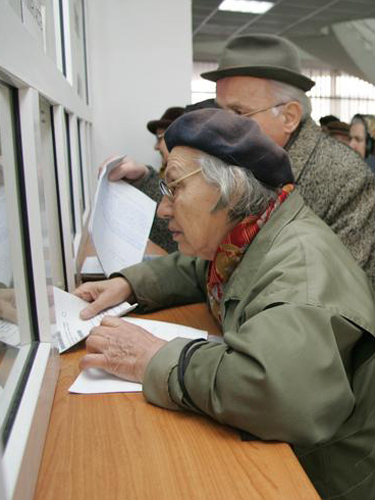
[[232, 248]]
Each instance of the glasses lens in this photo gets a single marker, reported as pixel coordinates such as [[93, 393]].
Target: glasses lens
[[164, 189]]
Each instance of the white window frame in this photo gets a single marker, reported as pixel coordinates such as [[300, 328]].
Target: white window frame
[[85, 165], [19, 473], [28, 69]]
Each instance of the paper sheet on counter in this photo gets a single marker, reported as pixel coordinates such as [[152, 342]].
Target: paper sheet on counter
[[96, 381]]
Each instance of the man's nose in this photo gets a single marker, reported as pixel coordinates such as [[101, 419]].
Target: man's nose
[[165, 208]]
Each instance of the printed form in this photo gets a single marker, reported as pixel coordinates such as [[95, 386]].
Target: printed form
[[70, 328], [121, 222]]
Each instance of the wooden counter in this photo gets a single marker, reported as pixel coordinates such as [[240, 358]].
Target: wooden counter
[[117, 446]]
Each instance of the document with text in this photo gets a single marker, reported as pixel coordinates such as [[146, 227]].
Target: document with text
[[121, 222], [96, 381], [70, 328]]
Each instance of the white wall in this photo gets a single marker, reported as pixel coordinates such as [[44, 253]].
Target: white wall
[[140, 62]]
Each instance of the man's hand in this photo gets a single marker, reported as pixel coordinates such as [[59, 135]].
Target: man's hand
[[8, 307], [120, 348], [103, 294], [128, 169]]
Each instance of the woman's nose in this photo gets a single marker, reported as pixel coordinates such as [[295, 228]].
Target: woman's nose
[[165, 208]]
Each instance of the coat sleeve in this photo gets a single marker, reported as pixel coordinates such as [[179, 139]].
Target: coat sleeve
[[279, 377], [167, 281]]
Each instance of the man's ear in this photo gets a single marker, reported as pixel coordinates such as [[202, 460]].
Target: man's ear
[[292, 115]]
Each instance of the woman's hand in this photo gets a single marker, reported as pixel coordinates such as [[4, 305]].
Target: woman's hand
[[103, 294], [120, 348]]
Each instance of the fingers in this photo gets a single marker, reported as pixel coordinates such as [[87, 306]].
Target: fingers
[[93, 361], [87, 291], [97, 343], [102, 294], [105, 162], [94, 308], [118, 173], [128, 169], [111, 321]]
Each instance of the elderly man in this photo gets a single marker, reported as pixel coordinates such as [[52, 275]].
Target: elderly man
[[259, 76], [297, 361]]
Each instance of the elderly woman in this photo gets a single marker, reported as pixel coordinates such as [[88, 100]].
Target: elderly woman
[[362, 137], [297, 313]]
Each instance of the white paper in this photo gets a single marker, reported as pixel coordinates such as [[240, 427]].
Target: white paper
[[96, 381], [91, 265], [9, 333], [70, 328], [121, 221]]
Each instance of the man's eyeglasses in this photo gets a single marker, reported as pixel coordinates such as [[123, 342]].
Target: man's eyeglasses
[[168, 190], [159, 136], [261, 110]]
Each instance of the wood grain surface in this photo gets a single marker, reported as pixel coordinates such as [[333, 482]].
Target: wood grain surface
[[117, 446]]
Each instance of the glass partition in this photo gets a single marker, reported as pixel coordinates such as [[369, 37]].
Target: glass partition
[[49, 199], [18, 331]]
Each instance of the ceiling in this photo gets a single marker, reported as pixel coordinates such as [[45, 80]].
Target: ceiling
[[323, 29]]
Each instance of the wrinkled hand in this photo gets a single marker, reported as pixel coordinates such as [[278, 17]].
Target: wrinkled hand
[[128, 169], [103, 294], [8, 307], [120, 348]]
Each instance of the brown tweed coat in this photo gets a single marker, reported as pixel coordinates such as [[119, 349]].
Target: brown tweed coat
[[339, 187]]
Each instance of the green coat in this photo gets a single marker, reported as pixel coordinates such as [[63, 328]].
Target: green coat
[[297, 363]]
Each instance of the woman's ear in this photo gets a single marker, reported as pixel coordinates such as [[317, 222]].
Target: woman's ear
[[292, 115]]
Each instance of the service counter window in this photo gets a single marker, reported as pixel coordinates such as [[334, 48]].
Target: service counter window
[[70, 159], [17, 332], [83, 169], [72, 13], [26, 351], [49, 199]]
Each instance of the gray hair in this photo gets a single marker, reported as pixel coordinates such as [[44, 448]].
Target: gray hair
[[235, 183], [286, 93]]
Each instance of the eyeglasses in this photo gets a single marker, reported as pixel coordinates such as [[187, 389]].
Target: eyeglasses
[[261, 110], [159, 136], [167, 189]]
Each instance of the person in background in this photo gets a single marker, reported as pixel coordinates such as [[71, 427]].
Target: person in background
[[259, 76], [297, 361], [362, 137], [339, 131], [325, 120], [158, 128]]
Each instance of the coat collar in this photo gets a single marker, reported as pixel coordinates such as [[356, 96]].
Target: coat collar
[[239, 281], [302, 146]]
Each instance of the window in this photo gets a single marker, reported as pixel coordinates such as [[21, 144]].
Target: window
[[44, 203], [17, 331], [24, 359], [49, 199]]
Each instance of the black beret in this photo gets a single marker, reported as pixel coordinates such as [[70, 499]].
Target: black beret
[[235, 139]]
